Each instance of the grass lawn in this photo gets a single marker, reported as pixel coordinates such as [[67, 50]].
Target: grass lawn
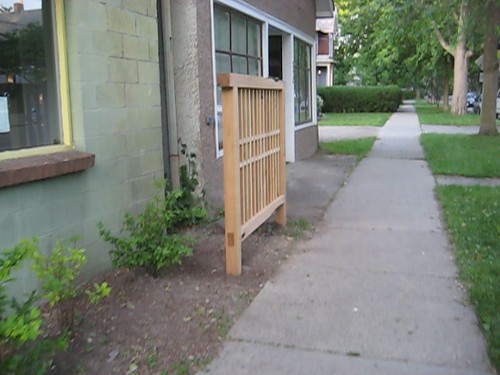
[[430, 114], [465, 155], [354, 119], [360, 147], [472, 216]]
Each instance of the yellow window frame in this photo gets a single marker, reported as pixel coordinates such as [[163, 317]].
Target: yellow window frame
[[61, 59]]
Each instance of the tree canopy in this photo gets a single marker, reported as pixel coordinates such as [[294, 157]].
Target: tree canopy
[[412, 43]]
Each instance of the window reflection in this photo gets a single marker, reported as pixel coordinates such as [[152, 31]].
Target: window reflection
[[28, 93]]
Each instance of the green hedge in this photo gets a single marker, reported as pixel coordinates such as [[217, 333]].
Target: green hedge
[[361, 99]]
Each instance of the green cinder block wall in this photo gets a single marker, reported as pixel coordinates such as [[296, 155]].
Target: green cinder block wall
[[116, 114]]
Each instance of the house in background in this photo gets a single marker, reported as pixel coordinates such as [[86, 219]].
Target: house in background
[[326, 33], [95, 96], [257, 37]]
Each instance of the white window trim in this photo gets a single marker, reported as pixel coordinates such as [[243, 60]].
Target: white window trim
[[63, 92], [313, 89], [267, 20]]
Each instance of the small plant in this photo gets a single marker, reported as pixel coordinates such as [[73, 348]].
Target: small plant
[[298, 228], [319, 105], [57, 272], [148, 240], [99, 292], [191, 205]]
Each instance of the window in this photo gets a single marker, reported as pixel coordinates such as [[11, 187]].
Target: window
[[237, 50], [302, 82], [323, 44], [29, 94]]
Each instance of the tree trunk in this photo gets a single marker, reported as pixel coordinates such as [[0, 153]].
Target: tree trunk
[[446, 91], [490, 64], [461, 66]]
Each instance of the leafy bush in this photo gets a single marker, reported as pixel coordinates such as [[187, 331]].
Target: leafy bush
[[191, 206], [23, 350], [319, 104], [57, 272], [149, 240], [361, 99]]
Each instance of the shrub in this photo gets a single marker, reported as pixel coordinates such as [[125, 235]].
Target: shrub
[[57, 272], [23, 350], [319, 104], [149, 240], [191, 207], [361, 99]]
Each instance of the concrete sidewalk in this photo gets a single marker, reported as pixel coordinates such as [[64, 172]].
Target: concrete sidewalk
[[374, 291]]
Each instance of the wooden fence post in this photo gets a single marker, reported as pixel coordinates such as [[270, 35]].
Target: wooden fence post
[[232, 209]]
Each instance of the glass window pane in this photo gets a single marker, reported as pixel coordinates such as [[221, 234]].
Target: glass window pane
[[254, 67], [238, 34], [222, 29], [240, 65], [302, 82], [222, 63], [253, 38], [29, 114]]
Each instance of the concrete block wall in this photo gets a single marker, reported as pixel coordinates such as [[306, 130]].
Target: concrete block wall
[[116, 114]]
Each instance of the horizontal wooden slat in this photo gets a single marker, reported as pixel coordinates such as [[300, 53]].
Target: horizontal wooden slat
[[226, 80], [249, 227]]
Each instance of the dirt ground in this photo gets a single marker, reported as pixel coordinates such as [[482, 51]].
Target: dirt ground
[[176, 323]]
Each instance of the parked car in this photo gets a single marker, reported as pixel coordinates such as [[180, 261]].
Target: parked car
[[498, 104], [471, 98], [478, 104]]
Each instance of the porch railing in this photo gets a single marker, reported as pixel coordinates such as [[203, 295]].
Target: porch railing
[[254, 158]]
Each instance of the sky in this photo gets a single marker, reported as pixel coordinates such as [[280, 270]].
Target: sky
[[28, 4]]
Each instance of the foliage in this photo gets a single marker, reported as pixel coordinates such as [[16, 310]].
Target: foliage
[[22, 52], [395, 42], [319, 104], [191, 206], [360, 147], [361, 99], [57, 272], [24, 321], [473, 220], [298, 228], [467, 155], [99, 292], [409, 95], [23, 350], [355, 119], [149, 240]]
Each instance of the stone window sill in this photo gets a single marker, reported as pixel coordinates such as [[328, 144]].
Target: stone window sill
[[34, 168]]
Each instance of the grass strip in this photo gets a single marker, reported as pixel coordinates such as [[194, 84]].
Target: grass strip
[[354, 119], [359, 147], [472, 216], [464, 155], [431, 114]]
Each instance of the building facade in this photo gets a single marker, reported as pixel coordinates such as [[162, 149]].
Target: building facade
[[326, 33], [97, 96]]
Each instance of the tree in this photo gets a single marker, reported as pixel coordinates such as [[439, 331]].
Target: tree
[[490, 63], [457, 47]]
